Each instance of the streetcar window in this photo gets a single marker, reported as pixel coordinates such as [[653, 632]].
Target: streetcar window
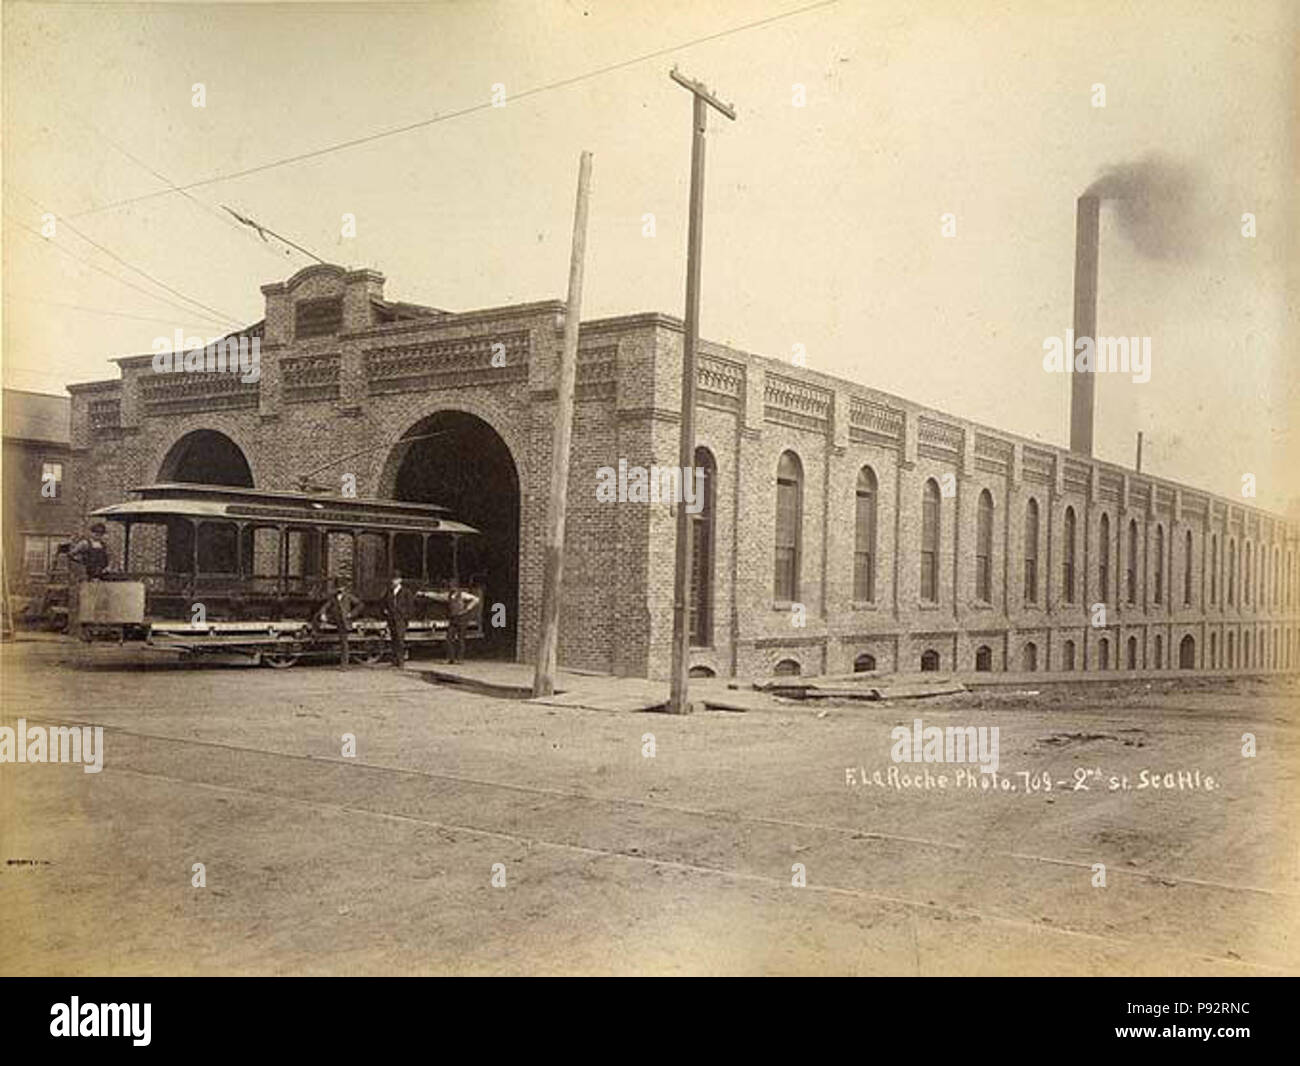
[[339, 557], [262, 558], [371, 565], [440, 560], [304, 553], [180, 546], [218, 548], [148, 548], [406, 551]]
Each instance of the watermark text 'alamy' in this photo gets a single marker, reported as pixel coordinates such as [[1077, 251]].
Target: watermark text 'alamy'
[[237, 354]]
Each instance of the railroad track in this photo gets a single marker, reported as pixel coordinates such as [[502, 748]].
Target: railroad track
[[457, 801]]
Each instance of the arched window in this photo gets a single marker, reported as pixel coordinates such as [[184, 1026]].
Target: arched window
[[1132, 561], [930, 543], [1187, 573], [1214, 568], [702, 671], [1160, 564], [1103, 560], [1232, 650], [929, 660], [1232, 572], [864, 555], [1067, 574], [702, 542], [1187, 653], [1069, 655], [983, 659], [864, 663], [1214, 650], [789, 520], [1249, 554], [1245, 650], [984, 548], [1277, 570], [787, 668], [1031, 551], [1029, 657], [1132, 653], [1103, 654], [1160, 652]]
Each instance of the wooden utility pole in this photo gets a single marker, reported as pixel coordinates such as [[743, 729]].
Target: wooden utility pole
[[547, 646], [679, 702]]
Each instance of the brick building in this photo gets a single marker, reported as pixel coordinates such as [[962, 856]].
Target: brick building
[[844, 528], [39, 509]]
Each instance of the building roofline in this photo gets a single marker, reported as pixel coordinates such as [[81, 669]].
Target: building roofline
[[442, 320], [33, 392]]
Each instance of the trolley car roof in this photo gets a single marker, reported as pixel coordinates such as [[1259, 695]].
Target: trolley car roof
[[176, 500]]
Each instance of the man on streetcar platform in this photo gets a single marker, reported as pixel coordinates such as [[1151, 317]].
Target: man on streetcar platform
[[88, 561]]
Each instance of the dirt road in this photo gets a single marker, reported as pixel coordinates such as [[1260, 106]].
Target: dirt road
[[614, 861]]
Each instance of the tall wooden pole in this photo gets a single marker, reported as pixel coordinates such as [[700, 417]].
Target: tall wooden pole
[[679, 698], [544, 677]]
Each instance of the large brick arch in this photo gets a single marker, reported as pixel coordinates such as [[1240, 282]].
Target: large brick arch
[[477, 471], [390, 456], [226, 427]]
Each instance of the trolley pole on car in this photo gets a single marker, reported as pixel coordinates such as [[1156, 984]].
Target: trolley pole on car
[[679, 700], [547, 646]]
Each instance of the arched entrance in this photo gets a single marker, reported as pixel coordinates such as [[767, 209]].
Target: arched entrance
[[1187, 653], [463, 464], [206, 457]]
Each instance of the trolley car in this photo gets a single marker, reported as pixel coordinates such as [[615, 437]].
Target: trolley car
[[215, 570]]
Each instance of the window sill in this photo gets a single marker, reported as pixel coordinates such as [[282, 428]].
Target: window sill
[[928, 605], [865, 605]]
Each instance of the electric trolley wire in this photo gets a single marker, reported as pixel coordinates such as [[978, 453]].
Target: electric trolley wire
[[448, 116], [108, 273], [130, 266]]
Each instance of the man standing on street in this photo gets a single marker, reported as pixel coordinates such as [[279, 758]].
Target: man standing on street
[[460, 607], [399, 606], [339, 610]]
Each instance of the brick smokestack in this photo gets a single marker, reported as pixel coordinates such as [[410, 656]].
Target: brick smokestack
[[1083, 386]]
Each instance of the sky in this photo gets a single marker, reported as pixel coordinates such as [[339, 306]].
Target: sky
[[824, 222]]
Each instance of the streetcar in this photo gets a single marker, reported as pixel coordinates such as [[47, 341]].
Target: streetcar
[[214, 570]]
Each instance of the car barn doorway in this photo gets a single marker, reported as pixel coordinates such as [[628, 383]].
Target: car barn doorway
[[462, 463], [206, 457]]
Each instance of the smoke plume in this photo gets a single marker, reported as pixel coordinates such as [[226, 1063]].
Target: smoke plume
[[1156, 203]]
